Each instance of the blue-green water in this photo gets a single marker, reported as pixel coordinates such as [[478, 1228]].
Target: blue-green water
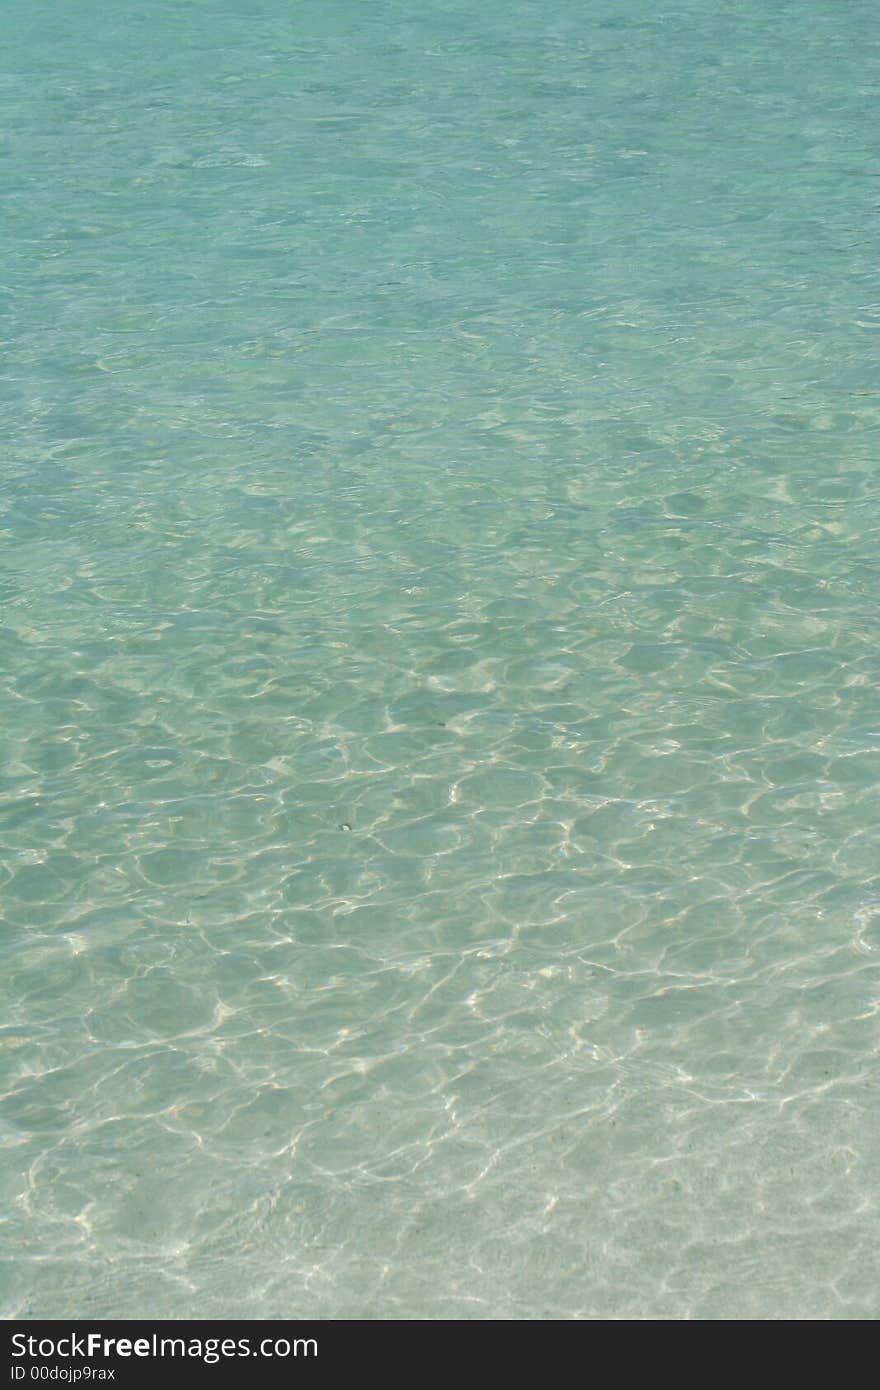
[[440, 571]]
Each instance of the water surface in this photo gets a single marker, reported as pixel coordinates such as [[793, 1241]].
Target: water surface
[[439, 660]]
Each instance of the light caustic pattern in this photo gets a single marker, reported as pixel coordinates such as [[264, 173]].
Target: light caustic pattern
[[439, 824]]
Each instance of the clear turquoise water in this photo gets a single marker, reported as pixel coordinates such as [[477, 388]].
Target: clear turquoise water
[[440, 829]]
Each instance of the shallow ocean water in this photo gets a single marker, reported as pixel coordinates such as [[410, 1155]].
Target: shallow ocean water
[[439, 662]]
